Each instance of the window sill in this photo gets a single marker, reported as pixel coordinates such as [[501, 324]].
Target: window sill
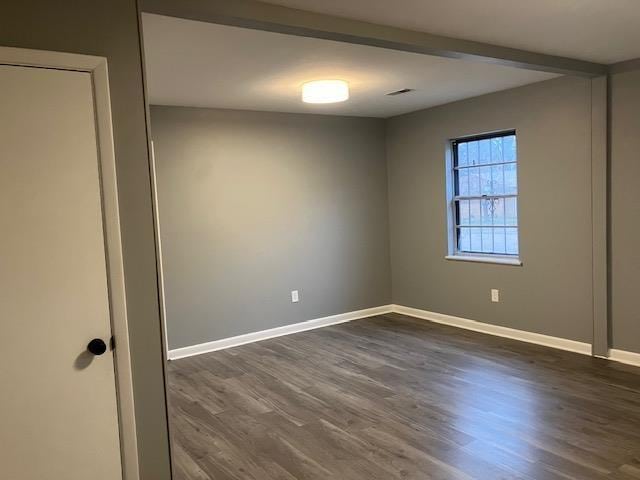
[[485, 259]]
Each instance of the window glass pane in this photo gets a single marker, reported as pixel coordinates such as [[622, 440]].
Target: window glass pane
[[499, 240], [484, 151], [498, 211], [464, 240], [487, 212], [474, 181], [510, 179], [511, 211], [463, 182], [497, 179], [462, 154], [476, 239], [485, 181], [512, 241], [496, 150], [509, 148], [472, 148], [474, 212], [487, 240], [463, 212]]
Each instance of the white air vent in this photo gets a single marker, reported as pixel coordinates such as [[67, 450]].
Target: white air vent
[[399, 92]]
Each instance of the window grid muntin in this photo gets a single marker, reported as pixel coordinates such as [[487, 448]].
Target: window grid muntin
[[457, 198], [462, 167]]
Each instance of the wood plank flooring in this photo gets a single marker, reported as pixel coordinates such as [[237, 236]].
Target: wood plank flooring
[[395, 398]]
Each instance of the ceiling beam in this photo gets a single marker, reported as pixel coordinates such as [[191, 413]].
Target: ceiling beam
[[275, 18], [626, 66]]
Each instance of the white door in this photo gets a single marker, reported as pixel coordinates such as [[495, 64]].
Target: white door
[[58, 410]]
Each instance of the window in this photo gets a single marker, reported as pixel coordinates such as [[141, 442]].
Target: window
[[484, 197]]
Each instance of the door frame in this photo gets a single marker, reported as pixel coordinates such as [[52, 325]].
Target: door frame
[[97, 68]]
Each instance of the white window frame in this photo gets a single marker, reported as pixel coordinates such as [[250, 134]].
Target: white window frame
[[453, 252]]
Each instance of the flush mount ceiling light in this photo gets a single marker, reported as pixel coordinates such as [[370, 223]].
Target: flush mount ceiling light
[[325, 91]]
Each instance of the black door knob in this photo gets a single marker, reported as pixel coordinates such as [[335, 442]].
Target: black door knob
[[97, 346]]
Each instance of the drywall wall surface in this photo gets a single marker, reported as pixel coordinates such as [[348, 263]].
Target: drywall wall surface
[[551, 292], [254, 205], [625, 211]]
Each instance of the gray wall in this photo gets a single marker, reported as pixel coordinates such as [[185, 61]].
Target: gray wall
[[253, 205], [551, 293], [625, 210], [110, 29]]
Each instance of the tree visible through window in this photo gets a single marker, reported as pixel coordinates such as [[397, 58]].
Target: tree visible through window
[[485, 194]]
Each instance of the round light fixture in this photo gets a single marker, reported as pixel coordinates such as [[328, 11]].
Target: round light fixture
[[325, 91]]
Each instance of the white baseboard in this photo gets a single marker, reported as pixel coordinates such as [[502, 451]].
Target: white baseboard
[[623, 356], [537, 338], [276, 332]]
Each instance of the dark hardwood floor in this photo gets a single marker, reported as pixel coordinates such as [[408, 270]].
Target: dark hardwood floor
[[395, 398]]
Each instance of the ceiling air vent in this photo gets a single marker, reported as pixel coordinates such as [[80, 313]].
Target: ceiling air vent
[[399, 92]]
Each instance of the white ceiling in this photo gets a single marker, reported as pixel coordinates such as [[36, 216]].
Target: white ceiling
[[200, 64], [604, 31]]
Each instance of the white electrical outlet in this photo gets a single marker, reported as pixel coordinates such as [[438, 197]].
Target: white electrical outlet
[[294, 296], [495, 295]]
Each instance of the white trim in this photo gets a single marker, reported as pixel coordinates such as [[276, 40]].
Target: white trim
[[485, 259], [499, 331], [276, 332], [47, 59], [623, 356], [97, 68], [452, 245], [117, 293]]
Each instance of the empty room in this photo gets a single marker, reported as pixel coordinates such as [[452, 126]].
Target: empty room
[[338, 240]]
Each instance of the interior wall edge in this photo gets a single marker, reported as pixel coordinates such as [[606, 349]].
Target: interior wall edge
[[156, 238]]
